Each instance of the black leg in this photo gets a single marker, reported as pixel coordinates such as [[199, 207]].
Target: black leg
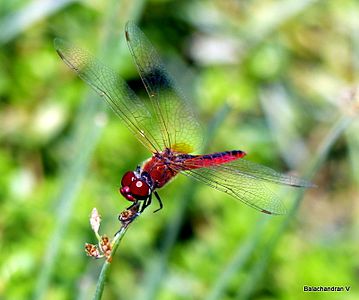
[[146, 203], [132, 205], [159, 201]]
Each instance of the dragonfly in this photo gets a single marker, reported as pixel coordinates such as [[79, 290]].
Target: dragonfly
[[167, 126]]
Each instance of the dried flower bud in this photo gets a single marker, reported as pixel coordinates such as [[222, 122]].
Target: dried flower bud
[[106, 246], [93, 251], [128, 215], [95, 220]]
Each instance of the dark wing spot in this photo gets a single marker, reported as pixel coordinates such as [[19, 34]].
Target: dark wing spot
[[158, 79]]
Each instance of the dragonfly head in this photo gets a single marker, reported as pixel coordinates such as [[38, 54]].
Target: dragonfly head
[[134, 188]]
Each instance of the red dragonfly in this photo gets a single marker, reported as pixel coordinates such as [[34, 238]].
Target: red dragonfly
[[167, 127]]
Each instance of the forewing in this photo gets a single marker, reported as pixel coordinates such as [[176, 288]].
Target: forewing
[[255, 185], [113, 89], [179, 128]]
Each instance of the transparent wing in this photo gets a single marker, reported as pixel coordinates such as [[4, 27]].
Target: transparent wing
[[255, 185], [179, 128], [114, 90]]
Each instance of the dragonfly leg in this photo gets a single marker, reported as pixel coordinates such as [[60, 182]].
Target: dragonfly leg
[[146, 203], [132, 205], [159, 201]]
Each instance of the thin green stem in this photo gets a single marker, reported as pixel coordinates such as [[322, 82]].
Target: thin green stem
[[30, 13], [244, 251], [106, 266], [254, 275], [67, 197], [240, 257]]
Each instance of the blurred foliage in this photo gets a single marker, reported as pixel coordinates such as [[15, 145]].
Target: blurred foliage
[[288, 70]]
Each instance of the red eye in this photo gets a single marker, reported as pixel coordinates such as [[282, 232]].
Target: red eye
[[128, 178], [140, 189]]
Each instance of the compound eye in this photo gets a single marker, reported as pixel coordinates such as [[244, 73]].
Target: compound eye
[[128, 178], [140, 189]]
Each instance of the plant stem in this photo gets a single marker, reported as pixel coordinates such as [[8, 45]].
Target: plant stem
[[105, 268], [242, 255], [255, 273]]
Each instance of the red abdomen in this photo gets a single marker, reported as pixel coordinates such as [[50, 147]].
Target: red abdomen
[[207, 160], [162, 168]]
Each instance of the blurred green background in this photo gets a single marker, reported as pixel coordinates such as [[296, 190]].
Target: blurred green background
[[276, 79]]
